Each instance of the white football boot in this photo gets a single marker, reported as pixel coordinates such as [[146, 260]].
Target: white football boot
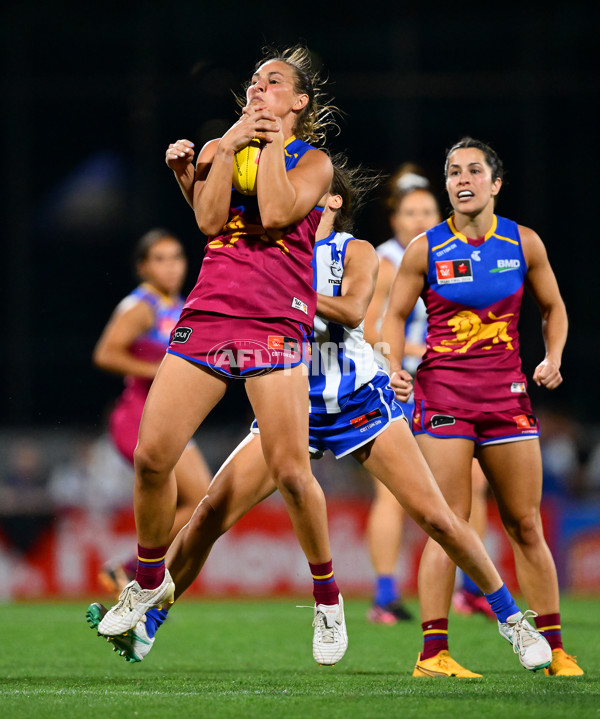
[[330, 639], [134, 645], [133, 603], [531, 646]]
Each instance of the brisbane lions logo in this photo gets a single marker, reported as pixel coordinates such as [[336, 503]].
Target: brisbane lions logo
[[469, 328], [240, 226]]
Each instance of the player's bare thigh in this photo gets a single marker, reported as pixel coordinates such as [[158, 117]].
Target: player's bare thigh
[[451, 461], [514, 471], [280, 402], [192, 475], [242, 482], [180, 398], [394, 458]]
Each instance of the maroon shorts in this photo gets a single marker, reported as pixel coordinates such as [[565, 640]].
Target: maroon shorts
[[124, 426], [240, 346], [484, 428]]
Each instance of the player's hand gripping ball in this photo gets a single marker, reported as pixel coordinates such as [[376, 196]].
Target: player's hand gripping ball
[[245, 167]]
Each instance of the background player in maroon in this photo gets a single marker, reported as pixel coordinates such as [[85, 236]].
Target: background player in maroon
[[470, 392], [133, 344], [413, 209]]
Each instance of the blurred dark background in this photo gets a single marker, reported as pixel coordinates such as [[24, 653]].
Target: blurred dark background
[[93, 93]]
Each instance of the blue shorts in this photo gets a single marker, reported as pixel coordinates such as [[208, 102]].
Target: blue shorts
[[409, 409], [368, 412]]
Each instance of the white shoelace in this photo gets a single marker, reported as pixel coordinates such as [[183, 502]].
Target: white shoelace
[[327, 633], [125, 603], [524, 636]]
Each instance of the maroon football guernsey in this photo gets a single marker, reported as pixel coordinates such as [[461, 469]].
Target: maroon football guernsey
[[473, 297], [252, 272]]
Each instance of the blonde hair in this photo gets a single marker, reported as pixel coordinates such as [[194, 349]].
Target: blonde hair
[[318, 116]]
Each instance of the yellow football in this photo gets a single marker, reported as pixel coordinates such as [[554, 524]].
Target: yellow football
[[245, 167]]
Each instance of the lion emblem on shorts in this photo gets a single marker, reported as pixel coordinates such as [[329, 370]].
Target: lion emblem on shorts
[[469, 328]]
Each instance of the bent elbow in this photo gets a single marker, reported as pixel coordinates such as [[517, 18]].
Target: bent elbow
[[277, 217], [356, 316], [210, 229], [210, 223], [99, 359], [354, 321], [274, 222]]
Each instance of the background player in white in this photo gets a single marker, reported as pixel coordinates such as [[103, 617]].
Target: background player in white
[[413, 208]]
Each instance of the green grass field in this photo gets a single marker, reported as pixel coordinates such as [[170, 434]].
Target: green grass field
[[253, 659]]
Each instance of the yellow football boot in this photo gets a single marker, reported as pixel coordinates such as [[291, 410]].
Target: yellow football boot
[[563, 665], [441, 665]]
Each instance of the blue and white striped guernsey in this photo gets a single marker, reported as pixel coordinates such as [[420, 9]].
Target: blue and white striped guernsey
[[342, 361]]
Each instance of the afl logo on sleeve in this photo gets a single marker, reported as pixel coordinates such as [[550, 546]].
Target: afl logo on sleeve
[[181, 335], [299, 305], [451, 271]]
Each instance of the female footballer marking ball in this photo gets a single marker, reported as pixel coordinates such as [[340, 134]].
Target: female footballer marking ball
[[245, 167]]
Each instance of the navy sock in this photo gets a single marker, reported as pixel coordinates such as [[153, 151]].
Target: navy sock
[[385, 590], [502, 602], [154, 618], [469, 585]]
